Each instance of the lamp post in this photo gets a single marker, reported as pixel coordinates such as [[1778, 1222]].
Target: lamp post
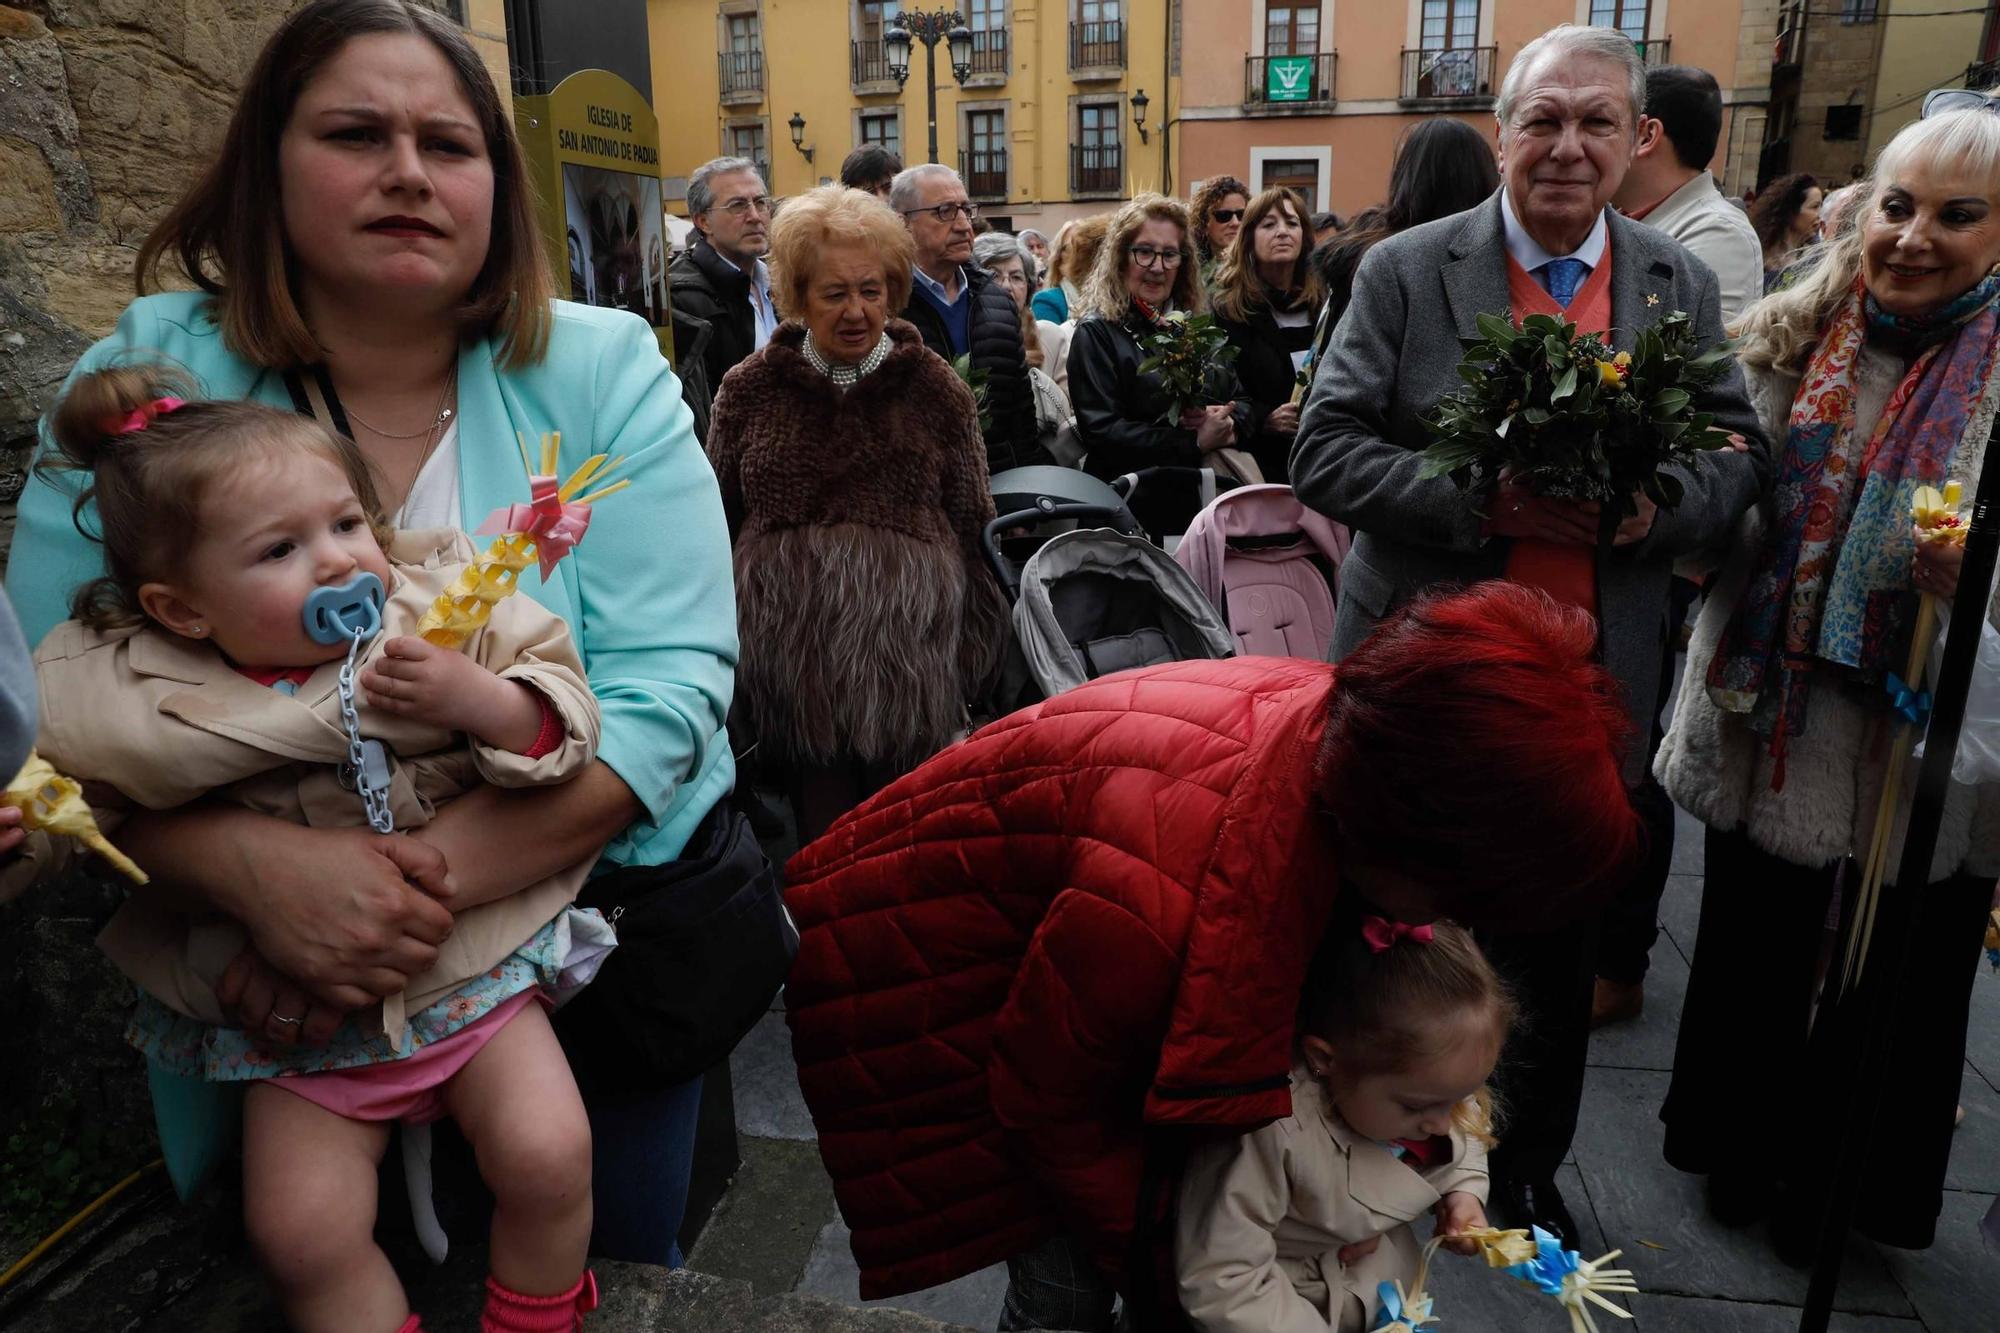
[[930, 28]]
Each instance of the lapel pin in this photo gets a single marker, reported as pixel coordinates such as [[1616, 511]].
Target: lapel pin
[[1652, 298]]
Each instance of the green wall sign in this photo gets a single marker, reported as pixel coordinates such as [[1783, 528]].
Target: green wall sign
[[1288, 78]]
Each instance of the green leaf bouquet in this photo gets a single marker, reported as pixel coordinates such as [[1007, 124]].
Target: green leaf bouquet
[[1192, 355], [1564, 414]]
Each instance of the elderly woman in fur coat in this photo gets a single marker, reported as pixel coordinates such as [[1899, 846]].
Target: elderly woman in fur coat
[[1879, 371], [853, 474]]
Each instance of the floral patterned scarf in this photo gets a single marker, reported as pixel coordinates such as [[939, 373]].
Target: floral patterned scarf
[[1832, 584]]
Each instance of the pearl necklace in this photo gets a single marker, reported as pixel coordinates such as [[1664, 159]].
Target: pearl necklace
[[843, 375]]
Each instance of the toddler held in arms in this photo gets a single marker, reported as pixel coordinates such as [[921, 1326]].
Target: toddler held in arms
[[1293, 1227], [244, 550]]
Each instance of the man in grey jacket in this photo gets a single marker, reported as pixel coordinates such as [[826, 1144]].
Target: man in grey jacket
[[1568, 111]]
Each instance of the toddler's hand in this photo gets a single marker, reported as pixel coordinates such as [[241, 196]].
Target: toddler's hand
[[445, 688], [1459, 1212], [1359, 1250]]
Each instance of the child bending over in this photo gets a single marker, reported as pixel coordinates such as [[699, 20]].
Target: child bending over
[[1291, 1228]]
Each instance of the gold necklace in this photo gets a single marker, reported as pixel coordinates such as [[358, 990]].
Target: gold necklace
[[436, 431], [444, 415]]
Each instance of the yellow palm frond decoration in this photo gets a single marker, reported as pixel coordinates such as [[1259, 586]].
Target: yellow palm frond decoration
[[53, 803]]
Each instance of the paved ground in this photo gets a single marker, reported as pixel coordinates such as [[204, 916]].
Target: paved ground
[[778, 1228]]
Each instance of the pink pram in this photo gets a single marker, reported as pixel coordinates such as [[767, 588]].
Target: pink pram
[[1271, 566]]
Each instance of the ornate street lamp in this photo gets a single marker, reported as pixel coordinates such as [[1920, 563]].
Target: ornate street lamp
[[1139, 104], [797, 125], [930, 28]]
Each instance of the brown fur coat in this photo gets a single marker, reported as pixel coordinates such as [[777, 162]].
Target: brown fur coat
[[865, 608]]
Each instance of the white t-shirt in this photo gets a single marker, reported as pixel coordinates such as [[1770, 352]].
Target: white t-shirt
[[433, 498]]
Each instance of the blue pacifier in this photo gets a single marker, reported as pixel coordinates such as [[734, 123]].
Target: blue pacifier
[[336, 614]]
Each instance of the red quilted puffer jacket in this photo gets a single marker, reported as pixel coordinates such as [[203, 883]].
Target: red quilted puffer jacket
[[1091, 918]]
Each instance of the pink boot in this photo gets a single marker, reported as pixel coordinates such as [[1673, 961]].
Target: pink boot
[[414, 1324], [511, 1312]]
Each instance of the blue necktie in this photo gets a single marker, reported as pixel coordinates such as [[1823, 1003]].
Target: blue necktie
[[1563, 277]]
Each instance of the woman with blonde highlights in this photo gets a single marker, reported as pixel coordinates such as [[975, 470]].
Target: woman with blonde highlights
[[854, 476], [365, 251], [1267, 297], [1880, 372]]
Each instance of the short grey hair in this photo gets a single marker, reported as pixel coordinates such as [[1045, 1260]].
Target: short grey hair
[[701, 187], [907, 189], [1571, 40], [994, 246], [1026, 232]]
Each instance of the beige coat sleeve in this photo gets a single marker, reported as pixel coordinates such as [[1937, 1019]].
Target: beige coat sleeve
[[525, 642], [1233, 1196]]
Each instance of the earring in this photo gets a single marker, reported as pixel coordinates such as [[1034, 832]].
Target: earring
[[198, 630]]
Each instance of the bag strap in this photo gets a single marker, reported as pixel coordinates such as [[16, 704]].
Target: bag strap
[[313, 396]]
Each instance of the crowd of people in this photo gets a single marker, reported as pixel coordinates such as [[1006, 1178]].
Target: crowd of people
[[1193, 987]]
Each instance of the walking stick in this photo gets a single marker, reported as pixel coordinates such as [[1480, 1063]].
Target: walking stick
[[1864, 1094]]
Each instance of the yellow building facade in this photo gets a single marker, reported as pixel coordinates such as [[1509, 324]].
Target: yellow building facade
[[1043, 129]]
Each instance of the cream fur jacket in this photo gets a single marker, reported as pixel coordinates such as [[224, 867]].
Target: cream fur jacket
[[1263, 1217], [1717, 769], [145, 718]]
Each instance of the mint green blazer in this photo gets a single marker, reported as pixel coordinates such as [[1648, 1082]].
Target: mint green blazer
[[648, 595]]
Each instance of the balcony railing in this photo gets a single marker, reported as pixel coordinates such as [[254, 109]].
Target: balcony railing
[[1097, 47], [1288, 80], [1790, 52], [989, 52], [1097, 169], [742, 75], [985, 172], [1653, 51], [868, 63], [1459, 75]]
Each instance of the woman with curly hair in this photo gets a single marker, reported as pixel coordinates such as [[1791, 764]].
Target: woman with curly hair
[[1217, 214], [1266, 296], [853, 475], [1786, 216]]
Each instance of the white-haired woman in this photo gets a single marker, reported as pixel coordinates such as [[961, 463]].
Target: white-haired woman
[[1877, 372], [1146, 270], [1010, 263]]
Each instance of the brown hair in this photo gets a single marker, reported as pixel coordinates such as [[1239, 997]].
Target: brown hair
[[148, 484], [1105, 294], [1238, 290], [1075, 252], [228, 235], [1200, 208], [836, 215]]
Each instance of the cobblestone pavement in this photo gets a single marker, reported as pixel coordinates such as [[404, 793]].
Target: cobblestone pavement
[[779, 1231]]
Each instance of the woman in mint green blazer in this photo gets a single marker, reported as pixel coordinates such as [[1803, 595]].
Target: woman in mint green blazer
[[366, 247]]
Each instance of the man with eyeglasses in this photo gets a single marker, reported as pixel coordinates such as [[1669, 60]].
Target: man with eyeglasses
[[721, 287], [959, 309]]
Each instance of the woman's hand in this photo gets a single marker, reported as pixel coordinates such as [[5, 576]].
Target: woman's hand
[[1283, 420], [1518, 511], [1458, 1213], [1349, 1255], [12, 835], [1217, 429], [263, 1000], [1936, 567], [1637, 527]]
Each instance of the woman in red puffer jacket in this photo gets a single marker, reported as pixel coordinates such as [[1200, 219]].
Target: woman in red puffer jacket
[[1027, 962]]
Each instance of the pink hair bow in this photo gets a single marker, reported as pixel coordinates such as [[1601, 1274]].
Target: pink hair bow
[[556, 525], [142, 416], [1382, 933]]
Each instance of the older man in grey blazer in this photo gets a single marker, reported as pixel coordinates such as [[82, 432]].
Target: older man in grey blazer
[[1568, 111]]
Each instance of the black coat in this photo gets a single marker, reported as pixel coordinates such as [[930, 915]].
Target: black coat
[[1264, 368], [1012, 437], [1119, 410], [706, 287]]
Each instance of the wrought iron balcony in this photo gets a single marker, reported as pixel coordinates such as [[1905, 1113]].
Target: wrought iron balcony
[[1096, 169], [984, 172], [989, 52], [868, 64], [1463, 74], [1653, 51], [1288, 80], [1097, 50], [742, 75]]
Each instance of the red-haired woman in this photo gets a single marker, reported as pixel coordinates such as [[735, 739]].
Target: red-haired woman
[[1094, 917]]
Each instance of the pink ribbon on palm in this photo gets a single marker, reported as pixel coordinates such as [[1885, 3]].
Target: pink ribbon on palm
[[557, 526], [1381, 933]]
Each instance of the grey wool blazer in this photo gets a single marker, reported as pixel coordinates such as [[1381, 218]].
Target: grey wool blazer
[[1396, 352]]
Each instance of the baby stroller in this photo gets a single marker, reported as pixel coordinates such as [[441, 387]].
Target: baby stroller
[[1271, 566], [1091, 600]]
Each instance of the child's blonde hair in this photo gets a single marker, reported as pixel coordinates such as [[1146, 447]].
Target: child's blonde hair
[[148, 483], [1387, 1011]]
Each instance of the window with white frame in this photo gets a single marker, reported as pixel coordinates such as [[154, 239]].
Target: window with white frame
[[1628, 16], [884, 128], [1291, 29]]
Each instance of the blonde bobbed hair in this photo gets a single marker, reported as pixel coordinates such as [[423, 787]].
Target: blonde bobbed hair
[[1780, 331], [836, 215], [1104, 293]]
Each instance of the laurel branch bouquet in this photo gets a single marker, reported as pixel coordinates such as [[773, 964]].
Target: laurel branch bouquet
[[1564, 414], [1192, 355]]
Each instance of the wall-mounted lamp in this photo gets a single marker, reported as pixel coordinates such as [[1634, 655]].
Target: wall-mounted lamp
[[798, 126], [1139, 104]]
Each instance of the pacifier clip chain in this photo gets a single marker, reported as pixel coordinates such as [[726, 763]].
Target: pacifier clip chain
[[352, 613]]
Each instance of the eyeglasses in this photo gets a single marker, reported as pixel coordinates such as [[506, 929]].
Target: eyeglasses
[[738, 208], [947, 213], [1145, 256], [1940, 100], [1227, 214]]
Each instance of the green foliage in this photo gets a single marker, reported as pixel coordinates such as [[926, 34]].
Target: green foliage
[[975, 380], [57, 1160], [1573, 420], [1192, 355]]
